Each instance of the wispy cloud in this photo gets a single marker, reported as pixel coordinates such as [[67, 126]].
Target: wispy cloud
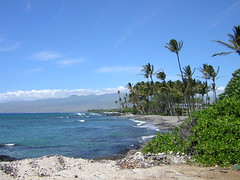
[[33, 71], [55, 93], [9, 48], [28, 5], [69, 62], [223, 15], [124, 36], [47, 55], [130, 29], [57, 57], [118, 69]]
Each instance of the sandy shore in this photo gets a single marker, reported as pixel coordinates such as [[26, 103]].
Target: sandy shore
[[164, 123], [59, 167]]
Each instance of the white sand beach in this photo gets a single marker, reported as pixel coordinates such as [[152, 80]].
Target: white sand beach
[[59, 167]]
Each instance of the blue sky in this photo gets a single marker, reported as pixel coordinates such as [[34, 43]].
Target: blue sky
[[61, 47]]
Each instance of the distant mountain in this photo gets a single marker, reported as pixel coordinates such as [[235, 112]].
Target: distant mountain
[[72, 103]]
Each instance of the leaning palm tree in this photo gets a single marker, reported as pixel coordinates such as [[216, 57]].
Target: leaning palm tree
[[234, 42]]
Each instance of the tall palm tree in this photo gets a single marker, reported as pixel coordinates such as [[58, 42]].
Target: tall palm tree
[[234, 42], [175, 47]]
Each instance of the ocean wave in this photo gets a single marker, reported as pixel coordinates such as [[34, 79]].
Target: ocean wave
[[81, 120], [81, 114], [7, 145], [95, 114], [147, 138], [139, 123], [143, 124]]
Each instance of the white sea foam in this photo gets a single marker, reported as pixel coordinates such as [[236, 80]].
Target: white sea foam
[[143, 124], [81, 114], [82, 120], [9, 145], [139, 123], [95, 114], [146, 138]]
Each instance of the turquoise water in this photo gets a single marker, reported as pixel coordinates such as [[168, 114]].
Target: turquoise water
[[84, 135]]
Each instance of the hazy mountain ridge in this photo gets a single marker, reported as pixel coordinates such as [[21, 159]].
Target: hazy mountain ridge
[[72, 103]]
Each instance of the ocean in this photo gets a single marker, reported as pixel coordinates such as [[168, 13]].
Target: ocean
[[78, 135]]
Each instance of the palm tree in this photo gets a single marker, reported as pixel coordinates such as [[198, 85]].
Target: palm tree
[[148, 70], [161, 75], [234, 42], [209, 73], [213, 75], [175, 47], [189, 84], [206, 76]]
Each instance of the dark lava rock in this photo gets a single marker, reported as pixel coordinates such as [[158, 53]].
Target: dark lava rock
[[7, 158]]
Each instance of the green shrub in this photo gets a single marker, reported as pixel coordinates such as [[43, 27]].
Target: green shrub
[[212, 135], [233, 86], [216, 136]]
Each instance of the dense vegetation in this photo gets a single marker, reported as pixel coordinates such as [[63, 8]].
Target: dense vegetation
[[181, 97], [211, 134]]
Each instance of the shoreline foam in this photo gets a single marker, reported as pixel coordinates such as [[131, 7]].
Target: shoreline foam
[[162, 123]]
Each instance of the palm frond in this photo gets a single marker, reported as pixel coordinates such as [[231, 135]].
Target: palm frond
[[222, 53], [169, 47], [226, 44]]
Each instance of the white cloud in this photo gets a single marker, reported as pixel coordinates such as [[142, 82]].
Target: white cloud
[[118, 69], [47, 55], [68, 62], [9, 48], [55, 93], [220, 90]]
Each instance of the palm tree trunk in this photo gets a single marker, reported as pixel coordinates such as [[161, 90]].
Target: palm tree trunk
[[186, 96]]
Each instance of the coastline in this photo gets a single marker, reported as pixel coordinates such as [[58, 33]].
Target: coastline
[[132, 165], [162, 123]]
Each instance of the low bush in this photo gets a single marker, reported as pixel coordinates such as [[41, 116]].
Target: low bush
[[212, 135]]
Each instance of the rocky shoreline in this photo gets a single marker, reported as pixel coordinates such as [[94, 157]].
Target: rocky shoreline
[[133, 165]]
